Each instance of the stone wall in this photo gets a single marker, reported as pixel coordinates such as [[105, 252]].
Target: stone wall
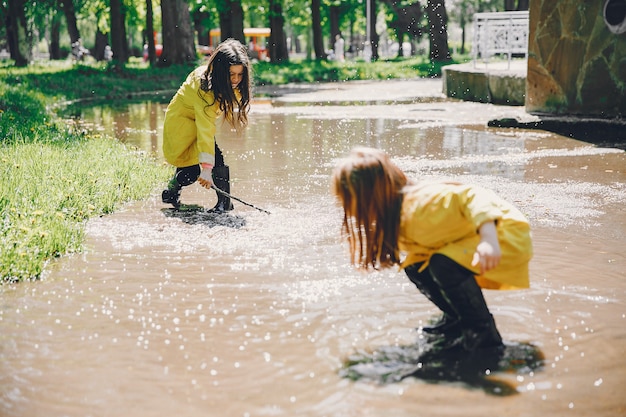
[[576, 61]]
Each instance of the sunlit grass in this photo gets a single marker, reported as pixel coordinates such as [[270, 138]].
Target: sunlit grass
[[52, 180], [50, 188]]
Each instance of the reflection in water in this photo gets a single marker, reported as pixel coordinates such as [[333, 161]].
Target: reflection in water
[[479, 369], [195, 214], [138, 124], [250, 314]]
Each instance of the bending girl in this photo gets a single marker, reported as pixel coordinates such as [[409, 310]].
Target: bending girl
[[222, 87]]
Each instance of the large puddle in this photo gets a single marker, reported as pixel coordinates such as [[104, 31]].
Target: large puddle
[[255, 314]]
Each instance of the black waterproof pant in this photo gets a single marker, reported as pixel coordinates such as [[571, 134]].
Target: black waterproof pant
[[188, 175]]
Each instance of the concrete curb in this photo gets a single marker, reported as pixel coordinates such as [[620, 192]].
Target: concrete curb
[[497, 83]]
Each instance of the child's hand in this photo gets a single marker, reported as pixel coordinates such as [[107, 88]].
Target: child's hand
[[206, 177], [487, 255], [488, 252]]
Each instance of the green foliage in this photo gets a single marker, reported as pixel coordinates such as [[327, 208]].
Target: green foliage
[[52, 184], [64, 81], [20, 110]]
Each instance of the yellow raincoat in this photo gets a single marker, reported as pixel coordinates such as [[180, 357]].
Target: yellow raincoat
[[189, 127], [444, 218]]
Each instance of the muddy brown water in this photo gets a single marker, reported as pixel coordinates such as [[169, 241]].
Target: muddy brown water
[[250, 314]]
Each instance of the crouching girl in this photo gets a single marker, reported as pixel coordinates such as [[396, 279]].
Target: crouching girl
[[451, 240]]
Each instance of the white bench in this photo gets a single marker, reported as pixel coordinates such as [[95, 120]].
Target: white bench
[[500, 33]]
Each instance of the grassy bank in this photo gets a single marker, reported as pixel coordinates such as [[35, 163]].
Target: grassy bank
[[63, 80], [49, 188], [53, 180]]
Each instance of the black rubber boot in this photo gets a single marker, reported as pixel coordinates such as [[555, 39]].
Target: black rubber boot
[[221, 179], [478, 326], [171, 195], [448, 324]]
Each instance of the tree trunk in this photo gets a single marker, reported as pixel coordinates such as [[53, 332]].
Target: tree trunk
[[438, 31], [70, 18], [55, 36], [318, 40], [125, 34], [178, 38], [18, 35], [231, 20], [100, 44], [237, 21], [226, 28], [463, 40], [374, 38], [150, 33], [278, 39], [203, 32], [333, 17], [118, 39]]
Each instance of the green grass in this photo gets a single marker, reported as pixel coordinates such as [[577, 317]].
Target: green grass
[[49, 188], [52, 180], [66, 81], [327, 71]]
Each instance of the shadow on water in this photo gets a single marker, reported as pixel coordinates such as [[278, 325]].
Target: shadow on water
[[478, 370], [195, 214]]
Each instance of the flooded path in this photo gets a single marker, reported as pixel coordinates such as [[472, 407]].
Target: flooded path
[[250, 314]]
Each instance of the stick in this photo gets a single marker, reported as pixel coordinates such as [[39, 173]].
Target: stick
[[224, 193]]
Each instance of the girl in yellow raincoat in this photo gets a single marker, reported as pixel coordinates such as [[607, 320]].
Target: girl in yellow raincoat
[[451, 239], [222, 87]]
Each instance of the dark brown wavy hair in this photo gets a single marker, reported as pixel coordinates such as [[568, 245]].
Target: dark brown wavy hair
[[369, 188], [216, 78]]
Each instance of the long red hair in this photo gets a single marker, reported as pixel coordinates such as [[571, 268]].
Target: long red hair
[[369, 188]]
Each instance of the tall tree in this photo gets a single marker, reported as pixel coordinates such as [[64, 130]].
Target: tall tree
[[150, 33], [406, 21], [18, 33], [70, 19], [118, 32], [54, 46], [278, 39], [316, 25], [178, 37], [334, 15], [374, 37], [201, 24], [231, 19], [101, 41], [438, 30]]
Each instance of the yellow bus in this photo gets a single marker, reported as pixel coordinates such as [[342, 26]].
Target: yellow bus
[[256, 39]]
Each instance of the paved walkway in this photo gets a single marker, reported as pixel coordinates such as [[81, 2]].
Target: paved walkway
[[350, 91], [420, 99]]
